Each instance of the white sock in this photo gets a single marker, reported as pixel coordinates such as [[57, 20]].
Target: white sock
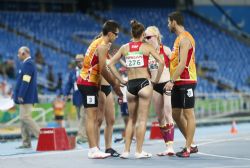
[[94, 149], [193, 145]]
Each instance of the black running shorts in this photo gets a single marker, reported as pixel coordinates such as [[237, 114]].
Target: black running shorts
[[182, 96], [89, 95]]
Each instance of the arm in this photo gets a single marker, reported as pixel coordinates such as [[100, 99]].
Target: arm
[[112, 63], [28, 71], [160, 62], [102, 51], [184, 47], [167, 51], [69, 84], [123, 63]]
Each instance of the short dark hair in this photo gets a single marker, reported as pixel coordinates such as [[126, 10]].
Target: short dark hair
[[109, 26], [177, 16], [136, 28]]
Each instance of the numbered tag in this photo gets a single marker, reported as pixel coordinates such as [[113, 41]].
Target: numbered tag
[[90, 99], [190, 93], [134, 59], [152, 63]]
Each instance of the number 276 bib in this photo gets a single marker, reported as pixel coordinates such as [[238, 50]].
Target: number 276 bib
[[134, 59]]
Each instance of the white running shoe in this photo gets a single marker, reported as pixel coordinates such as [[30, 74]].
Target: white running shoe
[[124, 155], [98, 155], [166, 153], [142, 155]]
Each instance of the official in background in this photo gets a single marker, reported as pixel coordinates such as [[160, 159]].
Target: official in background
[[77, 98], [25, 94]]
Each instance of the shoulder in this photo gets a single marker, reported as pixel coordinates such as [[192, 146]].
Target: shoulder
[[166, 50], [103, 48], [185, 42], [29, 64]]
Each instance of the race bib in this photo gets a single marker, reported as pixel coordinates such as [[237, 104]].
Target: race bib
[[152, 63], [90, 99], [134, 59], [190, 93]]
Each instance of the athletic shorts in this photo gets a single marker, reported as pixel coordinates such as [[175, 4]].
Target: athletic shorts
[[89, 95], [159, 87], [182, 96], [124, 109], [106, 89], [135, 85], [59, 117]]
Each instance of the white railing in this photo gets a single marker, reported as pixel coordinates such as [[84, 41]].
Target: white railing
[[221, 104], [42, 116]]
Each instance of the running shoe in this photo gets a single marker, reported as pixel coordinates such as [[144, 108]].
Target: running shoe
[[112, 152], [184, 153], [97, 155], [142, 155], [124, 155], [28, 146], [194, 149]]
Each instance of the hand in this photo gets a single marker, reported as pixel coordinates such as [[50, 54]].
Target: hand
[[119, 100], [117, 89], [20, 99], [169, 86], [123, 83]]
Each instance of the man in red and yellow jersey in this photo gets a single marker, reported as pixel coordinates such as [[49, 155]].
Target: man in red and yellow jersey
[[183, 81], [94, 65]]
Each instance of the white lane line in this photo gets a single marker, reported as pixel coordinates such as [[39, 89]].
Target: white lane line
[[221, 156], [235, 166], [222, 140], [48, 153]]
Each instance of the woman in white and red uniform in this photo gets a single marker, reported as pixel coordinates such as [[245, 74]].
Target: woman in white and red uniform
[[140, 89], [161, 99]]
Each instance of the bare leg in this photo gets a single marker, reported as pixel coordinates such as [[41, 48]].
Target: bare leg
[[132, 108], [110, 120], [91, 130], [190, 130], [145, 95], [100, 114]]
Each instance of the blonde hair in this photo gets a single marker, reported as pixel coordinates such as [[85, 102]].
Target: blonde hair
[[154, 30]]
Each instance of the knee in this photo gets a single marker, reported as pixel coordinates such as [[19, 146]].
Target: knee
[[99, 122], [141, 122], [110, 122]]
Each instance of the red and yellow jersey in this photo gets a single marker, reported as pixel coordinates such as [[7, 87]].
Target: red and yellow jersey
[[90, 72], [188, 75], [58, 106]]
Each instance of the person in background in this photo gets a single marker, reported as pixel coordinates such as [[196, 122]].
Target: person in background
[[77, 98], [58, 106], [25, 94]]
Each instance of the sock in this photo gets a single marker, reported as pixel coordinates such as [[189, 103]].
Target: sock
[[193, 145], [94, 149], [167, 132]]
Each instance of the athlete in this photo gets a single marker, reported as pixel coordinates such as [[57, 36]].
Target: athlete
[[139, 86]]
